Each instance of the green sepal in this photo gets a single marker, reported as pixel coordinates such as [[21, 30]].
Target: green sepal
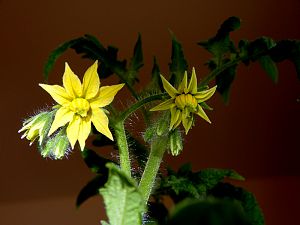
[[123, 202], [175, 142], [178, 63]]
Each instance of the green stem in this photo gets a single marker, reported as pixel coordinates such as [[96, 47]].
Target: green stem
[[123, 147], [158, 147], [212, 75], [139, 104]]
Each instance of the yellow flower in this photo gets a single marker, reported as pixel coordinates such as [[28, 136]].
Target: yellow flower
[[81, 104], [184, 102]]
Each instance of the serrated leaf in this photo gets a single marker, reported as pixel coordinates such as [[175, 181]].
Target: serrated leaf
[[95, 162], [123, 202], [55, 54], [224, 81], [211, 177], [207, 212], [270, 67], [221, 42], [91, 189], [89, 47], [246, 199], [178, 63]]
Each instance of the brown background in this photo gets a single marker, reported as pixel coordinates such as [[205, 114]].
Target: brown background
[[257, 134]]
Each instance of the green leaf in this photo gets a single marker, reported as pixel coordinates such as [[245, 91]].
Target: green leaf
[[246, 199], [156, 82], [55, 54], [95, 162], [207, 212], [221, 42], [270, 67], [91, 189], [211, 177], [224, 81], [137, 60], [123, 202], [287, 50], [259, 47], [92, 49], [178, 63]]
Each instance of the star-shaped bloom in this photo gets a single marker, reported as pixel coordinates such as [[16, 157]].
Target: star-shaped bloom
[[81, 104], [184, 102]]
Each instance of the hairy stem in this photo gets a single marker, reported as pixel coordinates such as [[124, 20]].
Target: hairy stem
[[139, 104], [158, 147], [123, 147]]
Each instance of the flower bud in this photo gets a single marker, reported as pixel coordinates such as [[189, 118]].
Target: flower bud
[[175, 141], [56, 147], [37, 126]]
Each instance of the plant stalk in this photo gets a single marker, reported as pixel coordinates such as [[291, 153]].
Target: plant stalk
[[158, 147], [123, 147]]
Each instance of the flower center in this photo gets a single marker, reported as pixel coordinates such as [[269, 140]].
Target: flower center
[[186, 100], [80, 106]]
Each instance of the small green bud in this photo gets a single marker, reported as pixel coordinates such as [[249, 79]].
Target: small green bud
[[37, 126], [175, 141], [56, 147]]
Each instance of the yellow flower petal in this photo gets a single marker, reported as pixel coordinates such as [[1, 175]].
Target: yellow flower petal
[[58, 93], [73, 130], [168, 104], [71, 83], [168, 87], [62, 116], [200, 112], [202, 96], [106, 95], [100, 122], [84, 131], [91, 82], [183, 85], [192, 88]]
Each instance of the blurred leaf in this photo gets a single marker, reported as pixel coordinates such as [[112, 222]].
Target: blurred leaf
[[124, 204], [211, 177], [136, 62], [55, 54], [224, 81], [185, 183], [246, 199], [259, 47], [178, 63], [156, 82], [207, 212], [157, 212], [91, 189], [269, 66], [221, 42], [92, 49], [95, 162], [287, 50]]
